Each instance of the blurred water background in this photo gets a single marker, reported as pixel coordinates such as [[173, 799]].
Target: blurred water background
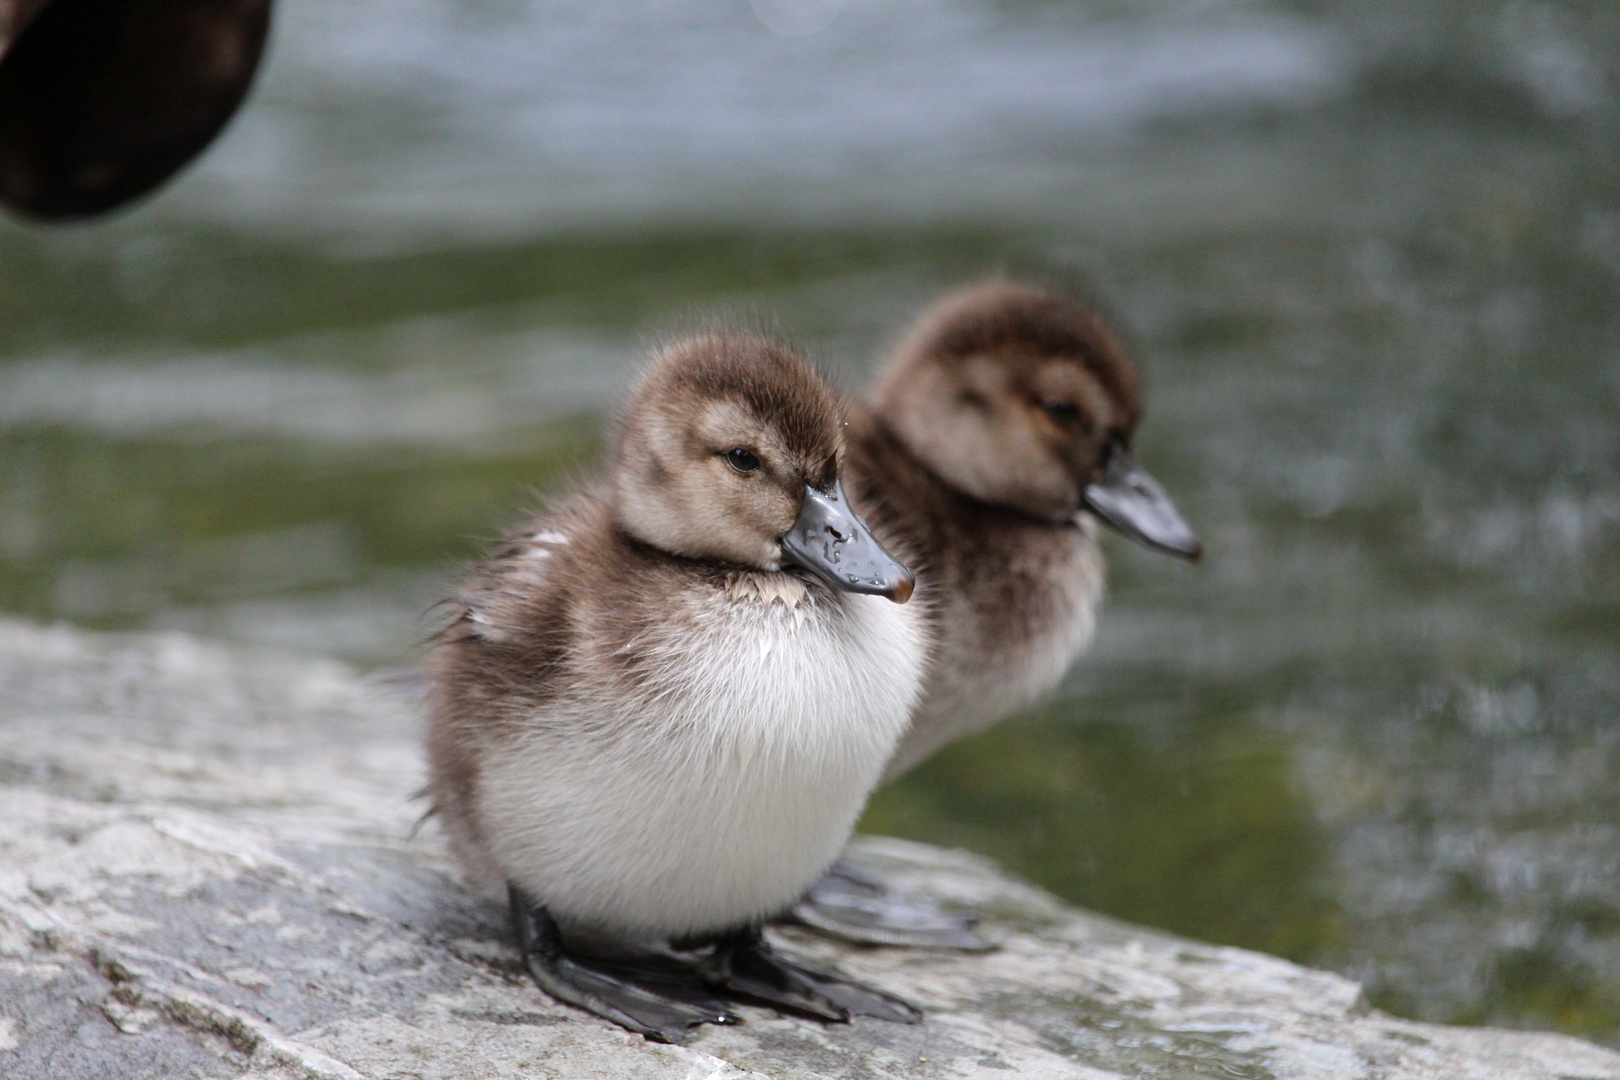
[[1368, 253]]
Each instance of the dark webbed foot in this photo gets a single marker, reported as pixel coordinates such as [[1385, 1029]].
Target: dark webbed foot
[[653, 996], [745, 965], [852, 906]]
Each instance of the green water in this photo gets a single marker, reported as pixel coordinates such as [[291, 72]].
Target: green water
[[1377, 729]]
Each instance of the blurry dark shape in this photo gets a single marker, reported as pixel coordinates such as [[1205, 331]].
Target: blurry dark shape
[[103, 100]]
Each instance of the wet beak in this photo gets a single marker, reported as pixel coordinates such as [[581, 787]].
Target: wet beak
[[1133, 502], [832, 542]]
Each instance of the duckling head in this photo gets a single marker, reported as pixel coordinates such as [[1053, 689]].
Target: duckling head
[[1023, 398], [731, 450]]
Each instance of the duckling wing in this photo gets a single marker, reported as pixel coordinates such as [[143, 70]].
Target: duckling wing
[[501, 598], [497, 656]]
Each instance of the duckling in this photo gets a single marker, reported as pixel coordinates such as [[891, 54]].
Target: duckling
[[999, 440], [659, 709], [997, 444]]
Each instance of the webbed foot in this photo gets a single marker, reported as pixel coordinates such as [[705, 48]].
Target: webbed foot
[[852, 906], [744, 964], [655, 996]]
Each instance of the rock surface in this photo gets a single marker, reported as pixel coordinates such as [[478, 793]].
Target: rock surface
[[208, 868]]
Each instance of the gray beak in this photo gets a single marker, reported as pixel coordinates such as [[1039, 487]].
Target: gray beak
[[832, 542], [1133, 502]]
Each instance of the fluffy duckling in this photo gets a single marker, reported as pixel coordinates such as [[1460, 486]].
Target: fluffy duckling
[[660, 708], [997, 443]]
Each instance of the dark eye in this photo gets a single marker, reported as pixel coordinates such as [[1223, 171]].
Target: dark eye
[[744, 461], [1066, 413]]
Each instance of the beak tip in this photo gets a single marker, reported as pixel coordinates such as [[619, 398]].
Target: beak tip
[[902, 590]]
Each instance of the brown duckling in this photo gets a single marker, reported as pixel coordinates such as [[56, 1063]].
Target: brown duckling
[[660, 708], [998, 441], [997, 444]]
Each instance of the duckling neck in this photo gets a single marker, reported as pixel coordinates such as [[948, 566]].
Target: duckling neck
[[767, 588]]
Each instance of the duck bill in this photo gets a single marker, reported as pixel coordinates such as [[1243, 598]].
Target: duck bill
[[832, 542], [1133, 502]]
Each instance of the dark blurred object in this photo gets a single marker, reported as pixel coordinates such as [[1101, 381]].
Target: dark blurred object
[[103, 100]]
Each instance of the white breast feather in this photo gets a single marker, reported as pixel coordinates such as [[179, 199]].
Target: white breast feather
[[717, 796], [971, 688]]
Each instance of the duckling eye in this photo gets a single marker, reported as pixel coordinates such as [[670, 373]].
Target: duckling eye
[[744, 461], [1066, 413]]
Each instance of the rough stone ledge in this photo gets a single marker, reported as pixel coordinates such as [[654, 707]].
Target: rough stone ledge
[[208, 868]]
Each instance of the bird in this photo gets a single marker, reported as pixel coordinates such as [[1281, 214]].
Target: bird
[[658, 709], [100, 103], [995, 447]]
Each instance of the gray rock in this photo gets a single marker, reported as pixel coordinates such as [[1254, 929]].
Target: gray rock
[[208, 867]]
